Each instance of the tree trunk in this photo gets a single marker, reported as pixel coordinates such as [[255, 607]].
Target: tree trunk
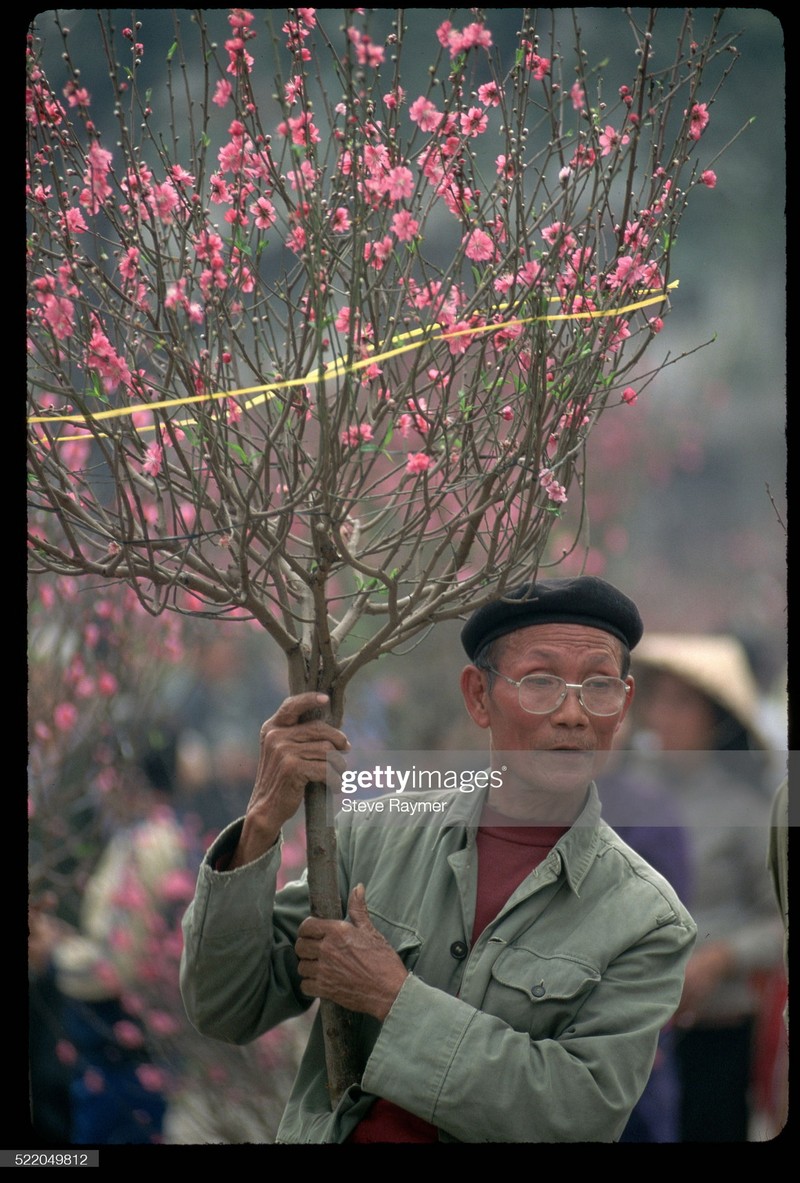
[[325, 900]]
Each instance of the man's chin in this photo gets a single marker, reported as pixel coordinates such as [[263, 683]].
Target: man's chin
[[547, 778]]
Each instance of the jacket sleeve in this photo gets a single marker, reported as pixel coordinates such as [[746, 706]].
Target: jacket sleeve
[[238, 968], [480, 1080]]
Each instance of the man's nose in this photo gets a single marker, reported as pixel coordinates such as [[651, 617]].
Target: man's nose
[[571, 710]]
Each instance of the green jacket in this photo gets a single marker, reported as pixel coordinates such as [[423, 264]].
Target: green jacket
[[545, 1032]]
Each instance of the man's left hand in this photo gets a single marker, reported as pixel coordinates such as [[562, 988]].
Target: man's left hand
[[349, 961]]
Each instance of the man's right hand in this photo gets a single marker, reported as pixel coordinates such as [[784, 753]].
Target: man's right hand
[[292, 754]]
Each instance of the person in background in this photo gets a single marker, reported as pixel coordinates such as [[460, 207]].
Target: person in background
[[698, 708], [645, 814], [113, 1099]]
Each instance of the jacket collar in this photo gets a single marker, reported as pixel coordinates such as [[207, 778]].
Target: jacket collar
[[576, 850]]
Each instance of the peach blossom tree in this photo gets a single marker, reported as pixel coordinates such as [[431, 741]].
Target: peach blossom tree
[[322, 316]]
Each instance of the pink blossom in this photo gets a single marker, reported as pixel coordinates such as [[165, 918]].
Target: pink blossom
[[302, 178], [424, 114], [478, 246], [476, 35], [376, 253], [507, 413], [418, 462], [357, 434], [474, 122], [555, 491], [398, 183], [459, 339], [129, 263], [584, 157], [97, 188], [698, 120], [296, 240], [180, 176], [629, 396], [611, 139], [367, 52], [489, 94], [74, 222], [709, 178], [340, 220], [263, 212], [538, 65], [155, 456], [59, 315], [627, 272], [303, 130], [404, 226]]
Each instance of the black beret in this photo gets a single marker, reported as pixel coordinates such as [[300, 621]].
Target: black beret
[[584, 600]]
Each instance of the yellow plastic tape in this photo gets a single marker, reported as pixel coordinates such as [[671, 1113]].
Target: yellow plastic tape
[[337, 366]]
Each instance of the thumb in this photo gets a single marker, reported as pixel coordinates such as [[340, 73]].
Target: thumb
[[357, 906]]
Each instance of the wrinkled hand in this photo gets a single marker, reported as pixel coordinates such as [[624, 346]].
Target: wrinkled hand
[[349, 961], [706, 968], [294, 750]]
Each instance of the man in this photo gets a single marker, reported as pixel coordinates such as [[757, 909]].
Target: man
[[510, 967]]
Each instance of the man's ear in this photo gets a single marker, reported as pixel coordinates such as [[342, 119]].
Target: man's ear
[[476, 694], [628, 700]]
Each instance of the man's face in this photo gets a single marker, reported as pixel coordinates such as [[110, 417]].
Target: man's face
[[573, 652]]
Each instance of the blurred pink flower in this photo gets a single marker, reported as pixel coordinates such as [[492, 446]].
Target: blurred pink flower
[[127, 1034], [65, 716], [151, 1077], [66, 1052], [161, 1022], [418, 462], [709, 178], [94, 1081]]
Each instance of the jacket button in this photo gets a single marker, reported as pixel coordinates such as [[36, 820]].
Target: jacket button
[[538, 991], [459, 950]]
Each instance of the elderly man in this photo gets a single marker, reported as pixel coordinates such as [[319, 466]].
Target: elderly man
[[510, 965]]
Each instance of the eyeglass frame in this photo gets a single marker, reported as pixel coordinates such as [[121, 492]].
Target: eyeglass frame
[[567, 687]]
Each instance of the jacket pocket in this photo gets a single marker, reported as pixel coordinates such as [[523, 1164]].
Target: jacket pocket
[[404, 939], [538, 993]]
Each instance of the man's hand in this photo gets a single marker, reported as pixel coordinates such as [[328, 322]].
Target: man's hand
[[292, 754], [349, 961]]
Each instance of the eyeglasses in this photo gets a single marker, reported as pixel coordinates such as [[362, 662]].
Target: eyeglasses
[[541, 694]]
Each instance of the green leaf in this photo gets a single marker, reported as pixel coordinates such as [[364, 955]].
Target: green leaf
[[239, 451], [97, 390], [171, 51]]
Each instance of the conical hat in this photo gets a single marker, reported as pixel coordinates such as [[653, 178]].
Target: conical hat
[[716, 665]]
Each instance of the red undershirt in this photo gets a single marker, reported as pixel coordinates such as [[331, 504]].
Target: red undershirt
[[506, 855]]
